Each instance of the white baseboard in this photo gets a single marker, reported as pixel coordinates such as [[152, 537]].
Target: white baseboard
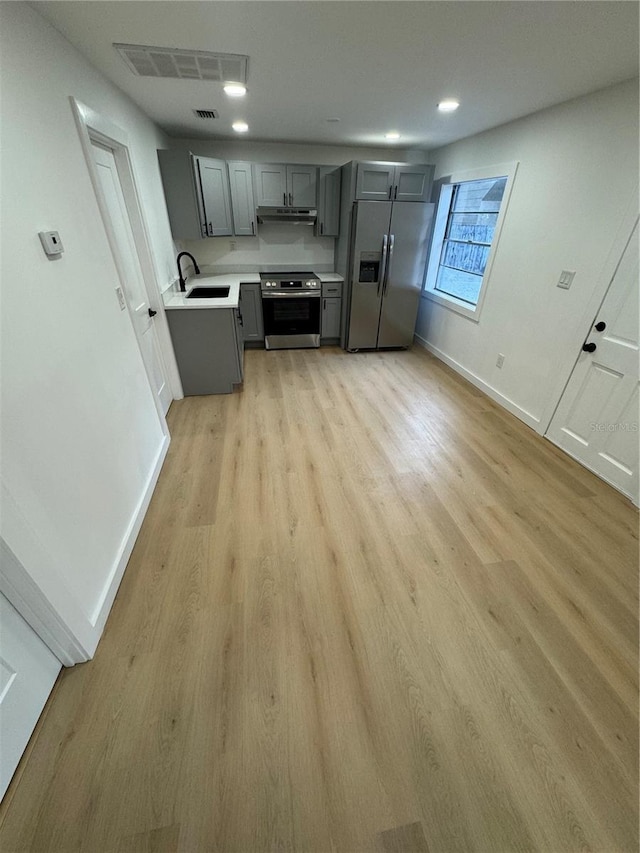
[[489, 390], [101, 613]]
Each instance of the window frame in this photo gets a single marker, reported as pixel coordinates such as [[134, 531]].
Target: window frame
[[447, 185]]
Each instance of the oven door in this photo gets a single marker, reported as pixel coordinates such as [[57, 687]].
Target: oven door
[[291, 320]]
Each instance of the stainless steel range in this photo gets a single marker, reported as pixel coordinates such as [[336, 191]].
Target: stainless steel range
[[291, 309]]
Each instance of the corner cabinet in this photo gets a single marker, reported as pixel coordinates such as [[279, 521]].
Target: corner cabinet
[[282, 185], [197, 193], [242, 203], [328, 223], [209, 349], [393, 181]]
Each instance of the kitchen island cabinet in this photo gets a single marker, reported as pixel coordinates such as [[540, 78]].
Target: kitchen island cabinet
[[209, 349]]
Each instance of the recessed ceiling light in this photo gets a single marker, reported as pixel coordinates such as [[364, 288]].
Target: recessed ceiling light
[[393, 134], [448, 106], [240, 126], [235, 90]]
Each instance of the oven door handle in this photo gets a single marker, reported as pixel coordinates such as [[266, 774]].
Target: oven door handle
[[303, 295]]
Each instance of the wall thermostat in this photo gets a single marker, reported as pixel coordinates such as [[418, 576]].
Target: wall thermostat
[[51, 243]]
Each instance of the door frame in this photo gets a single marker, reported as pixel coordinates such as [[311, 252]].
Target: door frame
[[93, 127], [608, 271]]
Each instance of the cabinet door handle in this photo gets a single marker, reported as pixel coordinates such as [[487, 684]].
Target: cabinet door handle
[[253, 227], [241, 321], [325, 304], [290, 199], [284, 199], [321, 228], [210, 230], [395, 194], [390, 191]]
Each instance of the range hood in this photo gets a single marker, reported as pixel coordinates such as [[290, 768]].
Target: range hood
[[293, 215]]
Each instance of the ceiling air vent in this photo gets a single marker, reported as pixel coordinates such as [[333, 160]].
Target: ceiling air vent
[[179, 64], [206, 113]]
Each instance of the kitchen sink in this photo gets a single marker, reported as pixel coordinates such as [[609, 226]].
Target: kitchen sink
[[208, 293]]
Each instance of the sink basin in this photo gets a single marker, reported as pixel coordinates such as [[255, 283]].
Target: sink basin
[[208, 293]]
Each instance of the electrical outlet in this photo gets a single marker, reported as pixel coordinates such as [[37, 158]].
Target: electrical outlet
[[566, 278], [500, 360], [120, 296], [232, 245]]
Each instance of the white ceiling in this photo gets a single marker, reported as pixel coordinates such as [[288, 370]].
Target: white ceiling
[[377, 66]]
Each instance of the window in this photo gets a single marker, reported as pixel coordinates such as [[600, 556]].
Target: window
[[468, 221]]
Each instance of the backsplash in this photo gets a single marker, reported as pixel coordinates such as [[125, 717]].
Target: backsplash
[[277, 245]]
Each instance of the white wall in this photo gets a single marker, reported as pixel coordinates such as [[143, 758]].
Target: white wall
[[577, 174], [278, 244], [80, 430]]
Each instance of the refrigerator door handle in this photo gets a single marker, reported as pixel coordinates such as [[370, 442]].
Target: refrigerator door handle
[[383, 265], [392, 240]]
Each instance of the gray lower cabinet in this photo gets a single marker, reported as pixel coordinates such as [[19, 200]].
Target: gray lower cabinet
[[251, 310], [209, 349], [242, 203], [331, 310], [328, 224], [196, 190]]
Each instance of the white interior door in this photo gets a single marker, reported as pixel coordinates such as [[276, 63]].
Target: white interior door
[[131, 271], [28, 670], [597, 418]]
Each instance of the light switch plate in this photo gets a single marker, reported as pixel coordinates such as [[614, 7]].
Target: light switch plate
[[120, 296], [566, 279]]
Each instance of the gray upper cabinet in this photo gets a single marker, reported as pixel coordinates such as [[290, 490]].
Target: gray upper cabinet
[[328, 224], [393, 181], [179, 174], [281, 185], [374, 181], [196, 190], [270, 184], [216, 199], [242, 203], [302, 186], [412, 182]]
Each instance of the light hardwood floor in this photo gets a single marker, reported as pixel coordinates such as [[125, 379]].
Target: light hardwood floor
[[368, 610]]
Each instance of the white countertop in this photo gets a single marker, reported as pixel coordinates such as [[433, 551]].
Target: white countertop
[[174, 299]]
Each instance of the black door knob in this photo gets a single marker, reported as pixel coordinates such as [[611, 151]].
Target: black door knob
[[152, 313], [601, 326], [588, 347]]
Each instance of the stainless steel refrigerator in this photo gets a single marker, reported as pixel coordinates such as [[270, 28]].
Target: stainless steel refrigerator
[[388, 253]]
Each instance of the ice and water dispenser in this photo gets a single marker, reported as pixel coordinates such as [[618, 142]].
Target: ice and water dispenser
[[369, 268]]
